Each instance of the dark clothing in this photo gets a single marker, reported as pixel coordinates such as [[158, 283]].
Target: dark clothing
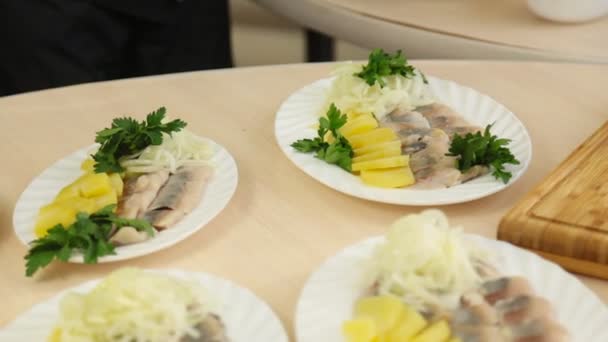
[[50, 43]]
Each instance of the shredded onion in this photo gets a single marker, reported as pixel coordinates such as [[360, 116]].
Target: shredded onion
[[132, 305], [352, 94], [179, 149], [426, 263]]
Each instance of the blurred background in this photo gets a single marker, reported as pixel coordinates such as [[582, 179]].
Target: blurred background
[[254, 26], [52, 43]]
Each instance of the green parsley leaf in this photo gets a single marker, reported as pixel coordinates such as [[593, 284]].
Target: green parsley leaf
[[380, 64], [483, 149], [127, 136], [339, 152], [89, 234]]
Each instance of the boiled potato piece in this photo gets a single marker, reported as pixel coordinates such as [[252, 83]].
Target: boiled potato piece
[[117, 183], [63, 212], [104, 200], [378, 155], [94, 184], [384, 163], [51, 215], [411, 324], [88, 185], [375, 136], [362, 124], [386, 311], [88, 165], [361, 329], [352, 115], [384, 146], [454, 339], [436, 332], [388, 178], [55, 335]]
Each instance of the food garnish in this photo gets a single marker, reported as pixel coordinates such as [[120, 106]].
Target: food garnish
[[381, 64], [127, 136], [383, 85], [339, 150], [133, 305], [425, 262], [89, 234], [178, 149], [483, 149]]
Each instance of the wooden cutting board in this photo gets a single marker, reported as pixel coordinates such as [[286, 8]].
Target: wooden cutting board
[[565, 218]]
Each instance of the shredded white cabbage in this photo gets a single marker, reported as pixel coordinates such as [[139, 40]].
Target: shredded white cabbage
[[179, 149], [133, 305], [353, 94], [426, 262]]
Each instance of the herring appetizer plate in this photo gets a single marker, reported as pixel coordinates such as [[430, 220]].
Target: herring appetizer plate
[[217, 192], [176, 301], [520, 296], [423, 114]]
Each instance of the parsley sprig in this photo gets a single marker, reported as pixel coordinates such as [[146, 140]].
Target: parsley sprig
[[127, 136], [90, 235], [338, 152], [380, 64], [483, 149]]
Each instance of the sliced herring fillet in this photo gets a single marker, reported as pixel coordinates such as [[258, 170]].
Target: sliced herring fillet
[[445, 118], [178, 196], [140, 192], [211, 329]]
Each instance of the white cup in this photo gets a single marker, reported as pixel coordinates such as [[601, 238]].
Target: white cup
[[569, 11]]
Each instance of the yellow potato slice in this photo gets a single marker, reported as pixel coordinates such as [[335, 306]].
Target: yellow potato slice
[[388, 178], [362, 124], [436, 332], [384, 163], [94, 184], [362, 329], [104, 200], [351, 115], [454, 339], [55, 336], [378, 155], [384, 146], [117, 183], [51, 215], [386, 311], [411, 324], [375, 136]]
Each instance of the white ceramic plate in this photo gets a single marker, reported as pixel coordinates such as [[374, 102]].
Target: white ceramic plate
[[45, 187], [247, 317], [328, 297], [298, 115]]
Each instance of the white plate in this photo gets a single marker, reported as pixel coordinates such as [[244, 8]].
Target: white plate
[[45, 187], [247, 317], [328, 297], [298, 115]]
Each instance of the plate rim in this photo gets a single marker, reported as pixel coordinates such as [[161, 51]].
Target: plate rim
[[77, 257], [408, 202], [173, 272], [372, 241]]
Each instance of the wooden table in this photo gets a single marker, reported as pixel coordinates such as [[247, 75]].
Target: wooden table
[[281, 224], [472, 29]]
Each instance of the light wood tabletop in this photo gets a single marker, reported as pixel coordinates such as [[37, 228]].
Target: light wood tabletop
[[281, 224], [473, 29]]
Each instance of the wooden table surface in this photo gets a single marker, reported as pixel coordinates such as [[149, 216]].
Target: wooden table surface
[[281, 224], [507, 23]]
